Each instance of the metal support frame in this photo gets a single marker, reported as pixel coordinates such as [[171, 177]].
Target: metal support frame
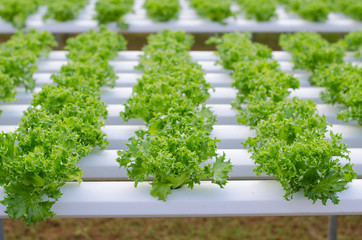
[[2, 233], [58, 38], [332, 228]]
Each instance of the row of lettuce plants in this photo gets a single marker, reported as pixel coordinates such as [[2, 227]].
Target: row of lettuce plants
[[18, 58], [290, 142], [170, 98], [265, 10], [17, 11], [61, 126], [342, 81], [316, 10]]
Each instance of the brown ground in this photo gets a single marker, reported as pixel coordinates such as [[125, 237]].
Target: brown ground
[[261, 228], [137, 40]]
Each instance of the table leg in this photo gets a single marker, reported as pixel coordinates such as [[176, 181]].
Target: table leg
[[332, 229]]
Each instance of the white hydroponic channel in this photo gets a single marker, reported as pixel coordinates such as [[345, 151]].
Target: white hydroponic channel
[[189, 21]]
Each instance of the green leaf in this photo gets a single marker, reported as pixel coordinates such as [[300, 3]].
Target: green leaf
[[160, 190], [24, 204], [221, 170]]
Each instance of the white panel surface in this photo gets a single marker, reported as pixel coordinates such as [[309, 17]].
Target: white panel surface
[[102, 164], [224, 114], [238, 198], [231, 136]]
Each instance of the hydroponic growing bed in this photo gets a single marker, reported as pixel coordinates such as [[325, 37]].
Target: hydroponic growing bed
[[69, 113], [245, 194]]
